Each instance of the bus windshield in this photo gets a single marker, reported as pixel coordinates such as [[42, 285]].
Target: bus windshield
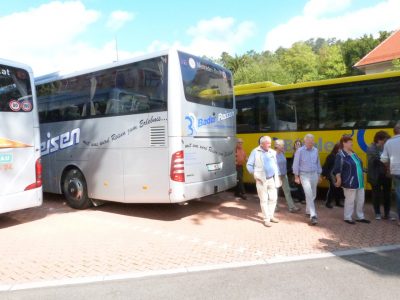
[[205, 82], [15, 90]]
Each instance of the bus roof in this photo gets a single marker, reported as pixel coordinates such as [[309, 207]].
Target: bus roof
[[262, 87], [15, 64], [58, 76], [257, 85]]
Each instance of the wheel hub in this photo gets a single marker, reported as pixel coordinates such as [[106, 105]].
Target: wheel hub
[[75, 188]]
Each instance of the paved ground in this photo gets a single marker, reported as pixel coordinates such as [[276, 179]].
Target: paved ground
[[362, 276], [54, 242]]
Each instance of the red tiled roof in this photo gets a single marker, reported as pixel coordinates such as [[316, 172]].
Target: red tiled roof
[[388, 50]]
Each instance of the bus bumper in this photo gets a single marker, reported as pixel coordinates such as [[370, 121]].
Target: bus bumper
[[201, 189], [21, 200]]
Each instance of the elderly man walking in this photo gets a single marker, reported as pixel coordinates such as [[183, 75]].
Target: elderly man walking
[[263, 165], [307, 170], [391, 156]]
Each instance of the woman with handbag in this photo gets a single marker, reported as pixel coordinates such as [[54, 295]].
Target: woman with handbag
[[333, 191], [348, 170]]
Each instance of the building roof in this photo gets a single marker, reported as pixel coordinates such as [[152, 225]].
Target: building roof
[[388, 50]]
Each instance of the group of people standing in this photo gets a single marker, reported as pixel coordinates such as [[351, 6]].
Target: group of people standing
[[343, 169]]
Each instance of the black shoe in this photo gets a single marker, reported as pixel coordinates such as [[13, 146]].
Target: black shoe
[[243, 196], [303, 202], [339, 205], [328, 205], [364, 221], [350, 222], [314, 221]]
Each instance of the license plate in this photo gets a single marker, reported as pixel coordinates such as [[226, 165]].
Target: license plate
[[214, 167]]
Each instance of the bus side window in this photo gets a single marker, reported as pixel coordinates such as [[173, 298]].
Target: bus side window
[[114, 106], [246, 119]]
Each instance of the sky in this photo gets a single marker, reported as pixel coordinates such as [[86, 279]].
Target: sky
[[67, 36]]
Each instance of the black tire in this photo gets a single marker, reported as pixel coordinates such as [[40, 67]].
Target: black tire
[[75, 189]]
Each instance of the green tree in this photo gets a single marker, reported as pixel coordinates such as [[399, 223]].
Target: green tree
[[330, 62], [233, 63], [301, 62]]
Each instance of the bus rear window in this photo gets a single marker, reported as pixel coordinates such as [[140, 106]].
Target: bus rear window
[[206, 83], [15, 90]]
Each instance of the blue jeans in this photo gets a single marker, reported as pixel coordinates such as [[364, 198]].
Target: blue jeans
[[396, 182]]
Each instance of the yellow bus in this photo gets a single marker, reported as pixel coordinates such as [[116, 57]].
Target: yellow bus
[[358, 105]]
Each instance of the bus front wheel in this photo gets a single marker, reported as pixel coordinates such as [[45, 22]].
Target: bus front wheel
[[75, 189]]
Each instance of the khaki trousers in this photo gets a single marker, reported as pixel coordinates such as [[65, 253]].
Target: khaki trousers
[[268, 194], [287, 192]]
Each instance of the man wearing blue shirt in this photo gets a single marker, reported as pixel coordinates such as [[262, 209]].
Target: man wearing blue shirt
[[263, 165], [307, 170]]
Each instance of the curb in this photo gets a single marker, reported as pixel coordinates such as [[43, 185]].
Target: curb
[[194, 269]]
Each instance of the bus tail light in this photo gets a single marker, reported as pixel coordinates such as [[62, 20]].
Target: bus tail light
[[177, 167], [38, 171]]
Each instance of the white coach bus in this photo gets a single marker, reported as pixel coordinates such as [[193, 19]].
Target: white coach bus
[[156, 129], [20, 166]]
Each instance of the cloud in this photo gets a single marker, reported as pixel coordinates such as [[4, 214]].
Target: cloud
[[118, 18], [321, 7], [52, 37], [49, 24], [213, 36], [314, 23], [49, 38]]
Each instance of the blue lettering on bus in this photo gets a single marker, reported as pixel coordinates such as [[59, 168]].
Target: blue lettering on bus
[[59, 142], [327, 146], [194, 123]]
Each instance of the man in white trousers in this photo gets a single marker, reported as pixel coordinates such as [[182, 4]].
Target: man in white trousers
[[307, 170], [263, 165]]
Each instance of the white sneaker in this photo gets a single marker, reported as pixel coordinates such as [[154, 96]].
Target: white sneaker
[[378, 217]]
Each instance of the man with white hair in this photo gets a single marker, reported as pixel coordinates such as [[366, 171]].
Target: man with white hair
[[391, 156], [307, 170], [263, 165]]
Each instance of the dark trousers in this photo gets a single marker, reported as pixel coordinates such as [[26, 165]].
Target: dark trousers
[[334, 193], [239, 186], [299, 192], [382, 191]]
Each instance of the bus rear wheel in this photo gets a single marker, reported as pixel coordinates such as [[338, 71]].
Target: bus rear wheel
[[75, 189]]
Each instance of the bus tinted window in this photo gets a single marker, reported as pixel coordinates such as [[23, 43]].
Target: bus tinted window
[[358, 105], [295, 109], [256, 113], [130, 89], [206, 83], [247, 115], [15, 90]]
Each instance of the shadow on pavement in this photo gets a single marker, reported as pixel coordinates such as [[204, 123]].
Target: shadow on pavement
[[220, 207], [53, 204], [384, 263], [163, 212]]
